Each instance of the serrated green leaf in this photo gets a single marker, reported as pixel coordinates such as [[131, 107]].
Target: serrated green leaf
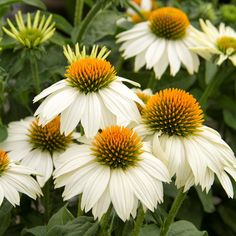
[[185, 228], [230, 118], [3, 133], [5, 216], [206, 200], [60, 218]]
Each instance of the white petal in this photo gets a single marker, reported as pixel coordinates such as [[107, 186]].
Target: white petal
[[173, 58]]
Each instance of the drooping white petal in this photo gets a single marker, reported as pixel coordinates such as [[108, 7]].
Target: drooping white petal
[[173, 58]]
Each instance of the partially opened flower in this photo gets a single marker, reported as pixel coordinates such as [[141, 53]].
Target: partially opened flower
[[216, 42], [163, 40], [196, 153], [92, 94], [14, 179], [144, 7], [37, 147], [115, 168], [34, 32]]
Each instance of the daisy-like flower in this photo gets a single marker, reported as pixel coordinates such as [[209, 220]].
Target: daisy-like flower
[[14, 179], [216, 42], [163, 40], [144, 6], [116, 167], [37, 147], [91, 93], [196, 153], [34, 32]]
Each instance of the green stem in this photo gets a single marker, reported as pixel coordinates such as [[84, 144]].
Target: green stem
[[135, 9], [92, 13], [35, 74], [214, 84], [138, 222], [79, 5], [152, 82], [79, 210], [173, 212]]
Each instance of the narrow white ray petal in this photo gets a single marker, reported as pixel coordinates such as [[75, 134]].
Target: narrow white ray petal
[[1, 195], [91, 118], [121, 193], [173, 58], [161, 66], [53, 88], [71, 116], [139, 61], [226, 183], [95, 187], [102, 205], [155, 52]]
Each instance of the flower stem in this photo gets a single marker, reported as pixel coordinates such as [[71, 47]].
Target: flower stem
[[135, 9], [152, 82], [47, 200], [173, 212], [79, 210], [138, 222], [92, 13], [35, 74], [78, 11], [214, 84]]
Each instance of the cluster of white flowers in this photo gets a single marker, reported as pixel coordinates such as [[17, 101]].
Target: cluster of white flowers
[[130, 141]]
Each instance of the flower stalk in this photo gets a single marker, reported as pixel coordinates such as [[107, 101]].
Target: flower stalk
[[78, 11], [35, 74], [138, 222]]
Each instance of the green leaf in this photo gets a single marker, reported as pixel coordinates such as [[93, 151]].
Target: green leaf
[[150, 230], [230, 118], [5, 216], [60, 218], [62, 24], [228, 215], [102, 25], [3, 133], [206, 200], [185, 228], [36, 231], [82, 226], [35, 3]]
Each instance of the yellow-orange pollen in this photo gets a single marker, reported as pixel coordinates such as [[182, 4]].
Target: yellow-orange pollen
[[4, 161], [174, 112], [227, 44], [117, 147], [48, 138], [90, 74], [169, 23]]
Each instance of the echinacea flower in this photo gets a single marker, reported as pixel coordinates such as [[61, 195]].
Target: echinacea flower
[[37, 147], [92, 94], [14, 179], [196, 153], [216, 42], [116, 167], [163, 40], [34, 32], [144, 7]]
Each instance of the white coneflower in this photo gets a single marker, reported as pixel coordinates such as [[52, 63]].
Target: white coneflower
[[196, 153], [216, 42], [163, 40], [33, 33], [115, 168], [37, 147], [92, 94], [14, 179]]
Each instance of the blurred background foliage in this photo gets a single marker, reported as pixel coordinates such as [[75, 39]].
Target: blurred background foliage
[[214, 213]]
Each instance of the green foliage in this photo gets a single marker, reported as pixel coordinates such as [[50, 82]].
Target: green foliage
[[5, 216]]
